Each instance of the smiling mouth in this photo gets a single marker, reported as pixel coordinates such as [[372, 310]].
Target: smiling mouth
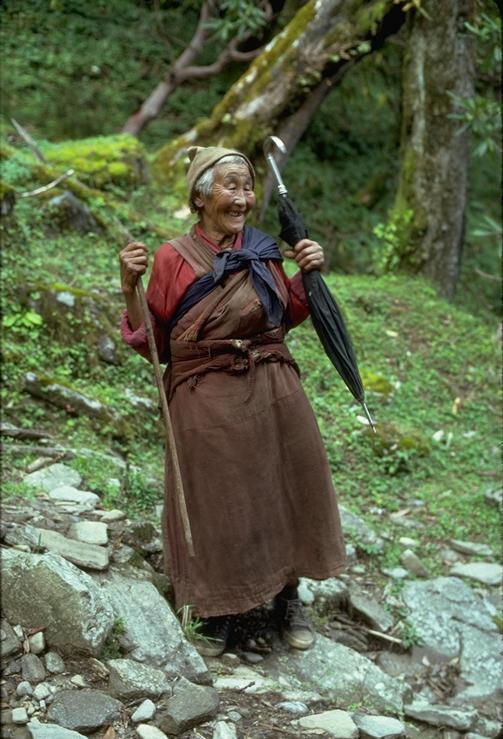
[[236, 213]]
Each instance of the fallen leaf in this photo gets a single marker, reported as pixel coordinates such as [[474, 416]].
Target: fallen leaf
[[456, 405], [110, 733]]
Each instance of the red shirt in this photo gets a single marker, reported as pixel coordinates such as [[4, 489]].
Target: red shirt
[[170, 278]]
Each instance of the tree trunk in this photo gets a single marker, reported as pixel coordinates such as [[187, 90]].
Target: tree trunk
[[428, 215], [322, 38]]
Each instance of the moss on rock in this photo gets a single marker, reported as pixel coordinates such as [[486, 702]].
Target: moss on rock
[[103, 161]]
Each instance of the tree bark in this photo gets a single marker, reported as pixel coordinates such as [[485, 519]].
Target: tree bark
[[428, 214], [322, 38]]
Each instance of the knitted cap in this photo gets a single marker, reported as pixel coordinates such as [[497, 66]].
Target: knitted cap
[[204, 157]]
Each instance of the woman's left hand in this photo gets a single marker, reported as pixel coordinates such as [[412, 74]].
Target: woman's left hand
[[308, 254]]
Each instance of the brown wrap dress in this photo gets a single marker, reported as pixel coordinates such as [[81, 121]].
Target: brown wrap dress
[[257, 483]]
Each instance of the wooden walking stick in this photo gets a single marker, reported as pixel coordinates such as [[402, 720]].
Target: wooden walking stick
[[170, 437]]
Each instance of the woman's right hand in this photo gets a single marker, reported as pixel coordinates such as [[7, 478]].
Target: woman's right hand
[[133, 260]]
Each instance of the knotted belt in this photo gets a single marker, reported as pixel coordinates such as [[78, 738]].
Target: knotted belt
[[190, 360]]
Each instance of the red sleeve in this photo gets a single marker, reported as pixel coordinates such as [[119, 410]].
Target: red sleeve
[[298, 309], [170, 278]]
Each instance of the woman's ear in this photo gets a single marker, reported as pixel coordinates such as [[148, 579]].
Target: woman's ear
[[198, 202]]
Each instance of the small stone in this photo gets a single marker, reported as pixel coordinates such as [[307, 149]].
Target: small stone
[[41, 705], [32, 668], [229, 659], [37, 642], [371, 611], [473, 735], [24, 688], [79, 681], [54, 663], [411, 562], [234, 716], [130, 680], [358, 569], [296, 707], [396, 573], [494, 496], [53, 476], [90, 532], [379, 727], [144, 712], [12, 668], [99, 668], [18, 630], [337, 723], [145, 731], [442, 715], [449, 556], [252, 658], [407, 541], [84, 710], [489, 573], [70, 494], [42, 691], [89, 556], [471, 547], [10, 642], [19, 716], [110, 516], [51, 731], [189, 705], [223, 730]]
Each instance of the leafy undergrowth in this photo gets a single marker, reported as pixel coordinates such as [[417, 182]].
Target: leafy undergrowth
[[431, 370]]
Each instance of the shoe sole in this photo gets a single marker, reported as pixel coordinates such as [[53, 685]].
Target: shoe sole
[[209, 650], [298, 643]]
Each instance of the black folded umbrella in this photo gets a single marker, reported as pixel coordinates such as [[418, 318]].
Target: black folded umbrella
[[325, 313]]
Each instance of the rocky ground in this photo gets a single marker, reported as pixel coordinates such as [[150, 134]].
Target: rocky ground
[[90, 645]]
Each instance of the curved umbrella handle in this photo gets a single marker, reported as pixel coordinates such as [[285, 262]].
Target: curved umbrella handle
[[269, 144]]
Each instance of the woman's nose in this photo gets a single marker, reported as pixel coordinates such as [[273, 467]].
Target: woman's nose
[[239, 197]]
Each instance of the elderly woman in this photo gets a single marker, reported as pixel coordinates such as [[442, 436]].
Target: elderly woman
[[257, 483]]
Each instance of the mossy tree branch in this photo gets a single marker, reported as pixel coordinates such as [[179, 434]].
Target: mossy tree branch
[[323, 37]]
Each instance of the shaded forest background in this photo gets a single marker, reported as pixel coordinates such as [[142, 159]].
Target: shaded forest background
[[74, 70], [73, 75]]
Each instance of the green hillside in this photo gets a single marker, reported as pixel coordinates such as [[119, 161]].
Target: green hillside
[[431, 369]]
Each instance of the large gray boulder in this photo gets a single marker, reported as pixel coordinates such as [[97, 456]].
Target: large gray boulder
[[46, 590], [335, 671], [451, 620], [53, 476], [152, 633], [84, 710]]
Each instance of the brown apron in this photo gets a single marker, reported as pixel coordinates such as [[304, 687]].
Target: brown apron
[[257, 483]]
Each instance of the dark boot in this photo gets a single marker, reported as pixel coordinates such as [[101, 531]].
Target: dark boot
[[295, 626], [212, 638]]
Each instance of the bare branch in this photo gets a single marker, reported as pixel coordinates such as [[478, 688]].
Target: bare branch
[[54, 183], [28, 139], [183, 69]]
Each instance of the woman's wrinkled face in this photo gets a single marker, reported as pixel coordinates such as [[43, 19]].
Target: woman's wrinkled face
[[224, 212]]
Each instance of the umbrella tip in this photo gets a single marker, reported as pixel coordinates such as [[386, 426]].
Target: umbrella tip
[[369, 417]]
